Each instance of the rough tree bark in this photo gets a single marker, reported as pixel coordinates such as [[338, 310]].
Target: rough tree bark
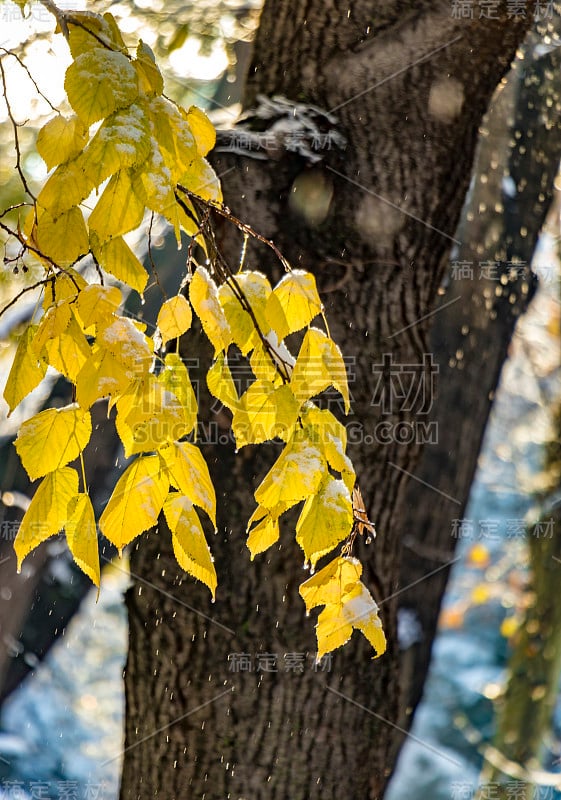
[[409, 85], [471, 333]]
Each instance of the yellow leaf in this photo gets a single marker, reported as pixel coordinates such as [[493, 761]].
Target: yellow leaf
[[118, 210], [81, 535], [65, 286], [361, 611], [265, 365], [299, 302], [189, 544], [98, 82], [188, 472], [149, 76], [328, 432], [318, 366], [173, 134], [63, 239], [263, 535], [332, 630], [295, 475], [52, 438], [67, 187], [101, 376], [53, 324], [256, 290], [175, 378], [129, 346], [89, 29], [61, 139], [264, 413], [26, 372], [202, 180], [48, 511], [68, 352], [204, 299], [122, 141], [221, 384], [136, 501], [325, 520], [348, 605], [116, 257], [174, 318], [202, 129], [97, 305], [149, 417], [328, 585]]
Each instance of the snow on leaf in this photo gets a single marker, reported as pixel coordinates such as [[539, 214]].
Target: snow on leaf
[[52, 438], [204, 299], [189, 543], [129, 346], [325, 520], [27, 370], [81, 536], [48, 511], [122, 141], [299, 303], [189, 474], [87, 30], [60, 139], [174, 318], [295, 475], [136, 501], [348, 604], [98, 82], [361, 611]]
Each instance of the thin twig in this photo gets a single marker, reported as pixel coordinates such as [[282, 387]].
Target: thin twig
[[152, 264], [58, 14], [14, 300], [30, 76], [16, 137], [225, 212]]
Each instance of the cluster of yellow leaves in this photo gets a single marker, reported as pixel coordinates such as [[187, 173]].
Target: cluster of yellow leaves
[[313, 466], [142, 147], [107, 355]]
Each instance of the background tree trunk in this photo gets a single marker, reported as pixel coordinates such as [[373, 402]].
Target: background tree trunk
[[395, 76]]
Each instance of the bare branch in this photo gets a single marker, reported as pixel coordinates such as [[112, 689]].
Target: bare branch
[[15, 126]]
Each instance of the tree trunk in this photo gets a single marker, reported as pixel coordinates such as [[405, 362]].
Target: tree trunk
[[490, 285], [199, 725]]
